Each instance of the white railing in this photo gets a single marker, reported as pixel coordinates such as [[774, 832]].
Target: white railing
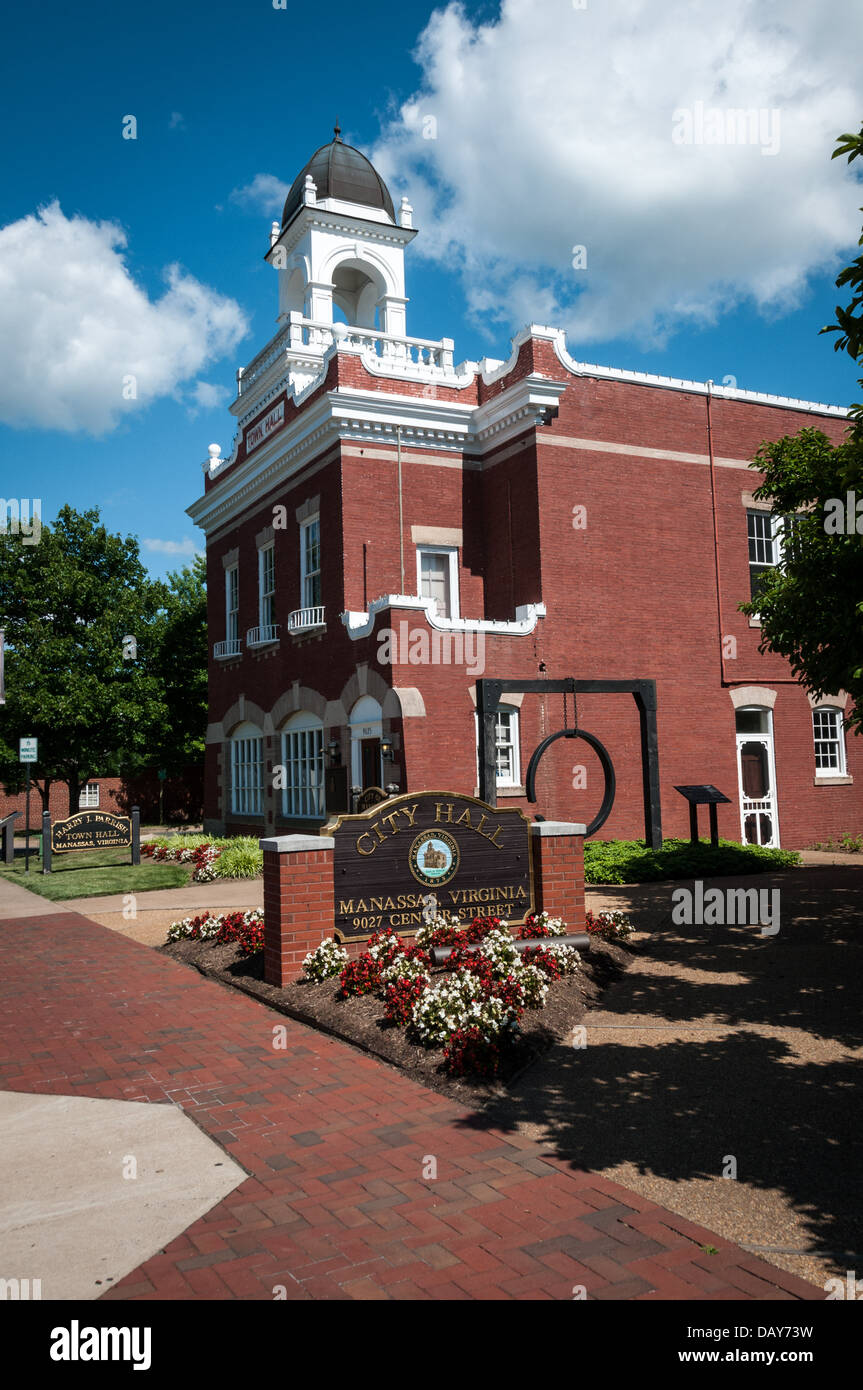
[[314, 336], [222, 650], [262, 636], [304, 618]]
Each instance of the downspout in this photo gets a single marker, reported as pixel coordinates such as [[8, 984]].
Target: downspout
[[401, 513], [737, 680], [716, 566]]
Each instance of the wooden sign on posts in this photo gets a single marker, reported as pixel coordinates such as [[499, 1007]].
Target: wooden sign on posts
[[90, 830], [474, 858]]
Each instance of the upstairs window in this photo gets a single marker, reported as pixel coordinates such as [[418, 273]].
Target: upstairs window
[[437, 579], [232, 604], [310, 563], [765, 547], [829, 737], [267, 586], [88, 797]]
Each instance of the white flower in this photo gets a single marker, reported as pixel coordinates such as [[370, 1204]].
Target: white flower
[[402, 968], [567, 958], [327, 959]]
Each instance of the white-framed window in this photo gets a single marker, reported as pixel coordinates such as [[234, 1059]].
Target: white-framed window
[[829, 737], [437, 578], [506, 746], [303, 760], [769, 538], [247, 771], [310, 563], [267, 585], [88, 797], [232, 603]]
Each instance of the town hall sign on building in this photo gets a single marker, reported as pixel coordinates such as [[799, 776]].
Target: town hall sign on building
[[473, 859]]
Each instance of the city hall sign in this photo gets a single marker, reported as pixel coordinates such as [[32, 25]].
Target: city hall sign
[[388, 863]]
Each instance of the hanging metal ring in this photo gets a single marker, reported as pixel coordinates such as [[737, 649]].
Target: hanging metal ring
[[605, 761]]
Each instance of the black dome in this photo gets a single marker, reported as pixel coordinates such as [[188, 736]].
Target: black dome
[[340, 171]]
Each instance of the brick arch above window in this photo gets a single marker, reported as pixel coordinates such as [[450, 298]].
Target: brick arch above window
[[833, 701], [742, 695], [241, 711], [298, 698]]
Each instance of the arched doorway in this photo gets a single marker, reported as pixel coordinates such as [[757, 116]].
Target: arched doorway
[[756, 771], [366, 725]]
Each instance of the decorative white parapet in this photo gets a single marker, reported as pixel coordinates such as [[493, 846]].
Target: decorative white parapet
[[362, 624]]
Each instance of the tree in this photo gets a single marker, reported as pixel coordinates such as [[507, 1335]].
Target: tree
[[96, 702], [811, 606], [180, 635], [849, 320]]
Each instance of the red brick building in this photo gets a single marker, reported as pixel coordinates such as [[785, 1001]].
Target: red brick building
[[181, 798], [390, 526]]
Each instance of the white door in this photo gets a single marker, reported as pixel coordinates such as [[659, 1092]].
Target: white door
[[756, 774]]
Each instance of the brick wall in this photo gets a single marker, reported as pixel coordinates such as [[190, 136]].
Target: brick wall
[[632, 595]]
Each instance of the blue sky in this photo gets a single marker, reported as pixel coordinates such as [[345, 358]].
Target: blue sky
[[223, 92]]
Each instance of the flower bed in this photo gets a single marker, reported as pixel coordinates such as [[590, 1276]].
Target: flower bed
[[240, 857], [474, 1007], [244, 928], [478, 1020]]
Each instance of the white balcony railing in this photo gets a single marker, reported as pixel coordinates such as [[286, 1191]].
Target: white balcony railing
[[223, 650], [302, 334], [262, 636], [304, 619]]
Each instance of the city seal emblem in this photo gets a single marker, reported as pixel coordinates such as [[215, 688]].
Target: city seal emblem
[[434, 857]]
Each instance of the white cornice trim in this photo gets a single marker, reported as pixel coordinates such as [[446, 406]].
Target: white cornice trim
[[557, 337], [377, 416], [361, 624]]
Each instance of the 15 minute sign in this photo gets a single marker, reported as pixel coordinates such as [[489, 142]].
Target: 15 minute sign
[[474, 858]]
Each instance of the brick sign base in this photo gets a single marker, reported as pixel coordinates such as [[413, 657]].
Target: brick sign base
[[299, 892]]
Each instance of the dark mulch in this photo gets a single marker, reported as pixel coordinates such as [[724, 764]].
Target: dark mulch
[[360, 1020]]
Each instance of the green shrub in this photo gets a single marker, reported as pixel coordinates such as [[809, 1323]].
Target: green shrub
[[631, 861], [240, 858], [181, 841]]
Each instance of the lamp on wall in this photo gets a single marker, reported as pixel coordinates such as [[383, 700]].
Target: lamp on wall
[[334, 752], [387, 748]]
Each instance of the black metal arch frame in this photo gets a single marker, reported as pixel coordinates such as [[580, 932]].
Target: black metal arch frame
[[488, 695]]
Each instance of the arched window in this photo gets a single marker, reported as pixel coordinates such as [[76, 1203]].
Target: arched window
[[303, 760], [247, 770], [829, 735]]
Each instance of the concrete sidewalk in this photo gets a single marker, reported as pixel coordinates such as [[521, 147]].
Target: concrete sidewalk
[[142, 917]]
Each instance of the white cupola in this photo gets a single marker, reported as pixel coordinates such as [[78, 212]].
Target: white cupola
[[340, 244]]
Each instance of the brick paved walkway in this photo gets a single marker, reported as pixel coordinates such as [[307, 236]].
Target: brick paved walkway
[[336, 1205]]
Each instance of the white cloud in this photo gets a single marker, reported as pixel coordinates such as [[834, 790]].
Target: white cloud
[[206, 396], [81, 344], [265, 193], [177, 121], [184, 547], [554, 130]]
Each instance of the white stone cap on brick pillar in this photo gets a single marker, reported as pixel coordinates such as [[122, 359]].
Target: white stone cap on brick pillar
[[294, 844], [557, 827]]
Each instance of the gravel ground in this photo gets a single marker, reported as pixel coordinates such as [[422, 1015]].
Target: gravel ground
[[719, 1044]]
